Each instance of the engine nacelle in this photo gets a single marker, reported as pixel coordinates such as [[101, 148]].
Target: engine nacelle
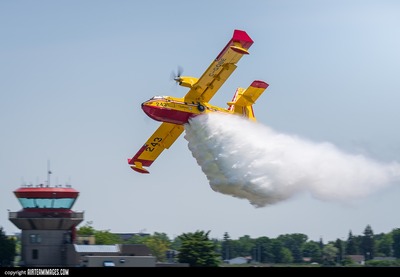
[[186, 81]]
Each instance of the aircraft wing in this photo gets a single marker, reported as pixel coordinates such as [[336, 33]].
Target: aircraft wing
[[161, 139], [220, 69]]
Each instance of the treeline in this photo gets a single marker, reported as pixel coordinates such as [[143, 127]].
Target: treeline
[[285, 249], [197, 249]]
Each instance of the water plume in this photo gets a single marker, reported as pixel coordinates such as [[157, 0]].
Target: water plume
[[248, 160]]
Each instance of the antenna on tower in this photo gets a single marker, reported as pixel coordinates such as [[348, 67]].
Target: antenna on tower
[[48, 173]]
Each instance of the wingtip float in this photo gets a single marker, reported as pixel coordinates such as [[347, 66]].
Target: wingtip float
[[139, 168], [174, 112]]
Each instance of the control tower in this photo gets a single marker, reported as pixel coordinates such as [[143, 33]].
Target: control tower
[[47, 224]]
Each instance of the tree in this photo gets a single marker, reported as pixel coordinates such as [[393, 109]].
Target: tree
[[281, 254], [198, 250], [264, 246], [236, 249], [329, 254], [106, 238], [158, 244], [7, 249], [340, 254], [286, 255], [312, 249], [321, 244], [351, 245], [136, 239], [295, 243], [384, 245], [396, 243], [176, 243], [245, 246], [86, 230], [368, 243], [226, 247]]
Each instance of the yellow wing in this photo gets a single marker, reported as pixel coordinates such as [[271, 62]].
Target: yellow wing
[[161, 139], [220, 69]]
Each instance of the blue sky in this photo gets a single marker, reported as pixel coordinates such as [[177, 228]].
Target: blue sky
[[74, 73]]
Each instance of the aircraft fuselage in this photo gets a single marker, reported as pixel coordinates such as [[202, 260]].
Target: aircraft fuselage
[[176, 110]]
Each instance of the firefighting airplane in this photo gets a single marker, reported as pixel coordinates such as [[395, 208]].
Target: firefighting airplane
[[175, 112]]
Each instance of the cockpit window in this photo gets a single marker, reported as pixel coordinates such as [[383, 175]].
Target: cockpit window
[[157, 97]]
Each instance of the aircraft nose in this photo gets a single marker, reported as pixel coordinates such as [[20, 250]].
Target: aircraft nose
[[144, 104], [146, 108]]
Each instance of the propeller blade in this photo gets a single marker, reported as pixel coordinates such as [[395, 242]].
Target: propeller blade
[[177, 76]]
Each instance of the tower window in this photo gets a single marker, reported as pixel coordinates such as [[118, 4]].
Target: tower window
[[35, 238], [35, 254]]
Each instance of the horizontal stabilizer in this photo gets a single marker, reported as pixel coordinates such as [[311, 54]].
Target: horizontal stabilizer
[[249, 96], [243, 100]]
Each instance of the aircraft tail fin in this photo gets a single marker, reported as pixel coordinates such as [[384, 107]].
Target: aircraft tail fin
[[243, 99]]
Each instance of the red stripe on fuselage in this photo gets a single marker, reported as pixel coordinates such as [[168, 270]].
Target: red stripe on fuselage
[[167, 115]]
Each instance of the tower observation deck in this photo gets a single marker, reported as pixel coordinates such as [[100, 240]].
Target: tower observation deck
[[50, 203]]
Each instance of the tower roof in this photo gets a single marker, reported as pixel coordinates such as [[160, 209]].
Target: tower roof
[[46, 192]]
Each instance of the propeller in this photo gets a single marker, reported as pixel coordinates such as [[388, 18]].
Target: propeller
[[177, 76]]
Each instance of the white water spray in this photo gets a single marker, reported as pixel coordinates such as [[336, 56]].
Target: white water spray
[[248, 160]]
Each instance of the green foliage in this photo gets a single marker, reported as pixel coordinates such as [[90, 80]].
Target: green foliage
[[86, 230], [396, 243], [158, 244], [263, 247], [281, 254], [198, 250], [245, 246], [106, 238], [384, 245], [329, 253], [136, 239], [368, 243], [375, 263], [351, 247], [286, 255], [226, 247], [176, 243], [295, 243], [7, 249], [348, 262], [339, 244], [311, 249]]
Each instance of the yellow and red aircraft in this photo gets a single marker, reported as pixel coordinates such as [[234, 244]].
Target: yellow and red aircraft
[[175, 112]]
